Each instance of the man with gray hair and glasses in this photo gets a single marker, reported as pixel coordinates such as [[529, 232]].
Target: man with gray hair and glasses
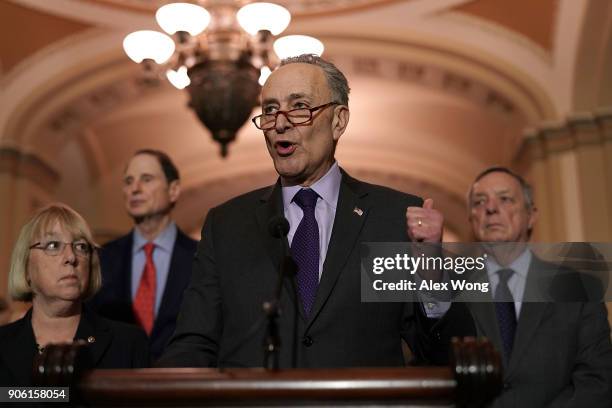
[[304, 113]]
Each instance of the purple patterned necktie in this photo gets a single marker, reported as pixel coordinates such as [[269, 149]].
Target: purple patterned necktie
[[506, 313], [305, 249]]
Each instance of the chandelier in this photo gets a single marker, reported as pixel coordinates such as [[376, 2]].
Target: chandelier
[[221, 54]]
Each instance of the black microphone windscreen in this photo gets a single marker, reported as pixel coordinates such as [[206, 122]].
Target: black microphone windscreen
[[278, 226]]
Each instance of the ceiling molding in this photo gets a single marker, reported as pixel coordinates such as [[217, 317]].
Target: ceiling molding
[[30, 167], [93, 13], [68, 99], [422, 65], [49, 70], [533, 21]]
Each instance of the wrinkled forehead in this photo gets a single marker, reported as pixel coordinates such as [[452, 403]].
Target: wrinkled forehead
[[296, 79]]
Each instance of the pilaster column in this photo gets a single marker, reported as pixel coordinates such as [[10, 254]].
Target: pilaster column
[[26, 183]]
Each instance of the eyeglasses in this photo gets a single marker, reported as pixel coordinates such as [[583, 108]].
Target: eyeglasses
[[297, 117], [82, 249]]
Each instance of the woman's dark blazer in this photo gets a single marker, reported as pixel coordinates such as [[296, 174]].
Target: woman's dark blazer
[[110, 345]]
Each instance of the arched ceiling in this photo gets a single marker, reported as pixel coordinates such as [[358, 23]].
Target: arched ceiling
[[440, 89]]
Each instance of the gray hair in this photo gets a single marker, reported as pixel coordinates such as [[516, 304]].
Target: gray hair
[[335, 78], [525, 187]]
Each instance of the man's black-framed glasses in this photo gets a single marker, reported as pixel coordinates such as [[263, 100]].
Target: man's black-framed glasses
[[297, 117]]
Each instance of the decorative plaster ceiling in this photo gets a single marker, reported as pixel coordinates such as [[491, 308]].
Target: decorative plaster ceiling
[[31, 37], [298, 8], [533, 19], [441, 88]]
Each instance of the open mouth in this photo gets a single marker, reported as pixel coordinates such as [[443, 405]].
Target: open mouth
[[284, 147]]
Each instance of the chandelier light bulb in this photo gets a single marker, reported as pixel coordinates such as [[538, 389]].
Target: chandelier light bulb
[[294, 45], [148, 44], [179, 78], [222, 50], [264, 74], [259, 16], [187, 17]]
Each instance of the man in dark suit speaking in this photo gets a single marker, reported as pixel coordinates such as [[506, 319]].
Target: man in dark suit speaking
[[145, 272], [305, 111], [555, 354]]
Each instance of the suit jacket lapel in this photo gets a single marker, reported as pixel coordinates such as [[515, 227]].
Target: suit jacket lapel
[[96, 333], [180, 261], [530, 317], [345, 231], [125, 271], [484, 314], [486, 322], [271, 206], [91, 329]]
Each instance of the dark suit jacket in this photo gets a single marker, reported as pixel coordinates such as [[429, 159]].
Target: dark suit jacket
[[235, 270], [114, 300], [116, 345], [562, 354]]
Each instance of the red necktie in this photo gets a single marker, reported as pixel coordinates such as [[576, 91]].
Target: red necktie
[[144, 303]]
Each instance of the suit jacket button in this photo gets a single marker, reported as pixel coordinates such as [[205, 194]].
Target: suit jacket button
[[307, 341], [507, 386]]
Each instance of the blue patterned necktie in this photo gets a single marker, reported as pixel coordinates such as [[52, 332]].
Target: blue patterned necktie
[[506, 313], [305, 249]]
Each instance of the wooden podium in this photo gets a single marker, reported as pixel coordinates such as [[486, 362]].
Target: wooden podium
[[473, 379]]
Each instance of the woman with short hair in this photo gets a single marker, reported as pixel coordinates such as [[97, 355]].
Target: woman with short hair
[[55, 265]]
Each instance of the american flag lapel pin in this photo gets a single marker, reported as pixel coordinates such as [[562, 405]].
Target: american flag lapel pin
[[358, 211]]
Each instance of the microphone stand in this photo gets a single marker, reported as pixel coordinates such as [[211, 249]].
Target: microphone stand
[[272, 308], [296, 316]]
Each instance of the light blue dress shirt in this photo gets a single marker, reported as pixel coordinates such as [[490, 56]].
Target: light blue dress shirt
[[516, 284], [328, 189], [162, 254]]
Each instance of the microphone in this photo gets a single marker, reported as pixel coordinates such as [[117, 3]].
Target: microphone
[[278, 226]]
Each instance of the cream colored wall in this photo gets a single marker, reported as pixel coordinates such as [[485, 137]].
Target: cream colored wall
[[26, 192]]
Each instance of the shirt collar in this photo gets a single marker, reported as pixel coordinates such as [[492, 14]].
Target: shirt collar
[[520, 265], [327, 187], [165, 240]]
